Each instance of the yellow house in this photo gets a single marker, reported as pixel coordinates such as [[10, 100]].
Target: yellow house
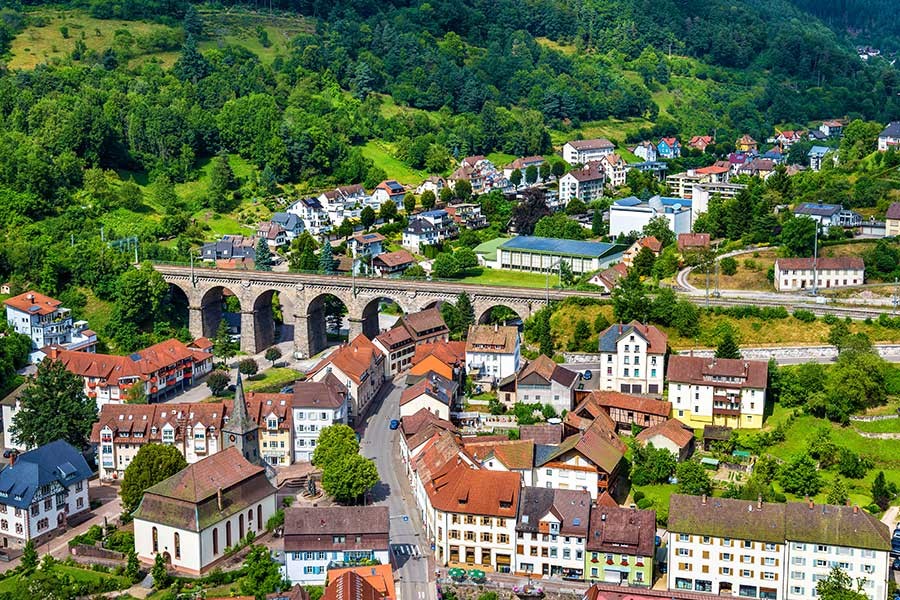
[[746, 143], [272, 412]]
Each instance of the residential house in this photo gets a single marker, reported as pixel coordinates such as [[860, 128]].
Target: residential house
[[746, 144], [889, 137], [542, 433], [272, 232], [492, 352], [392, 263], [693, 242], [775, 155], [718, 391], [313, 214], [8, 407], [816, 154], [672, 435], [272, 412], [39, 491], [787, 138], [615, 168], [365, 246], [632, 358], [388, 191], [551, 531], [544, 255], [645, 150], [649, 242], [316, 405], [230, 247], [629, 411], [521, 164], [543, 381], [163, 370], [434, 184], [434, 393], [794, 274], [399, 343], [701, 142], [892, 220], [361, 583], [193, 516], [428, 229], [481, 174], [579, 152], [291, 223], [496, 453], [589, 460], [472, 514], [319, 538], [758, 167], [467, 215], [609, 278], [632, 214], [620, 546], [772, 551], [358, 365], [668, 147], [832, 128], [47, 323], [585, 183], [656, 168], [828, 215], [445, 358], [417, 430]]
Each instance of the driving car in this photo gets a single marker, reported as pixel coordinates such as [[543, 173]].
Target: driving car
[[394, 424]]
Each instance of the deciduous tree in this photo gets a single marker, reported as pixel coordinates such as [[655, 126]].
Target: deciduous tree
[[335, 441], [428, 199], [693, 478], [272, 354], [151, 464], [262, 575], [800, 476], [248, 367], [217, 381], [350, 477]]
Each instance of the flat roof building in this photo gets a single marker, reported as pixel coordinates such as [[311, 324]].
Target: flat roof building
[[539, 254]]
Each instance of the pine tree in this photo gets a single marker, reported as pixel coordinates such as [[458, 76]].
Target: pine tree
[[263, 255], [192, 23], [223, 346], [160, 573], [326, 259], [581, 338], [29, 557], [837, 495], [728, 347], [191, 65], [466, 312], [268, 182]]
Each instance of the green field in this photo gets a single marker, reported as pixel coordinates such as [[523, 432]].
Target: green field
[[885, 426], [382, 155], [17, 585], [271, 380], [501, 277]]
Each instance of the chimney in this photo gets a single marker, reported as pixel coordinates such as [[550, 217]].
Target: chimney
[[810, 503], [30, 297], [496, 327], [12, 457], [855, 509], [759, 502], [219, 498], [703, 500]]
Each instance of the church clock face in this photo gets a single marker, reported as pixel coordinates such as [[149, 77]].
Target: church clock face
[[231, 437]]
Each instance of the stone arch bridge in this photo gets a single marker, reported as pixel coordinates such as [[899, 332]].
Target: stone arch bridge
[[302, 299]]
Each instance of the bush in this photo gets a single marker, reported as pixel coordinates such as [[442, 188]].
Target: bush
[[638, 495], [644, 503], [728, 266], [804, 316]]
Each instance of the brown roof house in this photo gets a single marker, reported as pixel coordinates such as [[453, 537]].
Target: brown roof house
[[433, 392], [542, 381], [400, 342], [649, 242], [492, 352], [688, 242], [191, 517], [620, 546], [586, 461], [672, 435], [551, 531], [417, 429], [502, 455], [628, 410], [794, 274], [316, 538], [360, 367], [391, 263]]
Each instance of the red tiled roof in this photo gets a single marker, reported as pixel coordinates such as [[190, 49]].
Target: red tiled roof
[[143, 364], [650, 242], [491, 338], [826, 263], [395, 259], [712, 170], [542, 433], [261, 405], [353, 359], [27, 301], [622, 530], [696, 369], [514, 454], [636, 403], [673, 429], [693, 240], [379, 577], [449, 353], [351, 586], [462, 489]]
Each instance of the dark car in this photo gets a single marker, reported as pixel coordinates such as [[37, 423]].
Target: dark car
[[663, 568], [394, 424], [658, 541], [896, 564]]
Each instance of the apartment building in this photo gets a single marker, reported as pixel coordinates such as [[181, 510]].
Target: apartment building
[[632, 358], [615, 168], [551, 531], [400, 342], [360, 367], [772, 551], [313, 214], [434, 393], [718, 391], [794, 274], [492, 352], [585, 183], [583, 151], [620, 546], [272, 412], [47, 323], [316, 405]]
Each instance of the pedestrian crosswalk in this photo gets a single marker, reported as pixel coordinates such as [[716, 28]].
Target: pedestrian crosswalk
[[405, 549]]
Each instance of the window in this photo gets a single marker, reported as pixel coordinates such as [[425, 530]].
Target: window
[[567, 554], [684, 552], [502, 538], [769, 547], [725, 571], [486, 537], [216, 541], [48, 504], [768, 576], [797, 560], [798, 575], [683, 537], [747, 544], [79, 503], [746, 573], [747, 591], [769, 561], [155, 535], [725, 556], [338, 539], [4, 525], [705, 539], [177, 545], [796, 589], [746, 558], [821, 548]]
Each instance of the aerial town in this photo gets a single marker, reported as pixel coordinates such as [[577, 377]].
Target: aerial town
[[450, 301]]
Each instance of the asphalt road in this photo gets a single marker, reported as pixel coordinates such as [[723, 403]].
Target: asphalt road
[[410, 550]]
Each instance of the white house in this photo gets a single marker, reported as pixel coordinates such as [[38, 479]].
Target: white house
[[832, 128], [585, 183], [316, 538], [589, 461], [632, 358], [316, 405], [360, 367], [492, 352], [39, 490], [645, 150], [889, 137], [794, 274], [632, 214], [313, 214], [388, 191], [543, 381], [434, 392], [434, 184], [828, 215], [717, 391], [615, 168], [816, 154], [551, 531], [427, 229], [194, 515], [584, 151], [47, 323], [274, 234]]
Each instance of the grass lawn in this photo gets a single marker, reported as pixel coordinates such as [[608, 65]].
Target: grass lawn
[[752, 277], [659, 493], [501, 159], [17, 585], [271, 380], [613, 129], [240, 28], [885, 426], [96, 312], [501, 277], [383, 157]]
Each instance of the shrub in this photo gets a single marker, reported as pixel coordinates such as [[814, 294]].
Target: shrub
[[830, 319], [804, 316], [638, 496], [644, 503], [728, 266]]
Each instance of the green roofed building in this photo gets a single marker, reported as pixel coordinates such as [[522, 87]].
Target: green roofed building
[[540, 255], [194, 515], [755, 549]]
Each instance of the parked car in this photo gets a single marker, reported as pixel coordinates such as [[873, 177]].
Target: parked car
[[394, 424], [663, 568], [896, 564]]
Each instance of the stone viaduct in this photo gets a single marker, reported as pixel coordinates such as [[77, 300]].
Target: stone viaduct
[[302, 298]]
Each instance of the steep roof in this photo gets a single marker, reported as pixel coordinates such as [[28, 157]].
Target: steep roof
[[650, 242], [378, 579], [673, 429], [135, 423], [701, 371], [570, 507], [513, 454], [34, 303], [893, 211], [835, 526], [336, 520], [543, 370], [639, 404], [542, 433], [353, 359], [56, 462], [434, 385], [422, 426], [656, 339], [428, 321], [591, 171], [693, 240], [623, 531], [825, 263], [449, 353], [462, 489], [329, 393], [395, 259], [240, 421], [598, 444], [260, 405], [492, 338], [202, 479], [892, 130]]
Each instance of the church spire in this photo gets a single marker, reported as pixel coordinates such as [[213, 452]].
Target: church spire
[[241, 431], [240, 419]]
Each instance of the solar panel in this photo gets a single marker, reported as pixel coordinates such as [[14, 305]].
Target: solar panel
[[135, 357]]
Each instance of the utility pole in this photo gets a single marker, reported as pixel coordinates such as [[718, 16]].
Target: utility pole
[[716, 293], [816, 263], [353, 271]]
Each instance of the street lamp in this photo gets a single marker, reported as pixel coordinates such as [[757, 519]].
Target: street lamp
[[556, 263]]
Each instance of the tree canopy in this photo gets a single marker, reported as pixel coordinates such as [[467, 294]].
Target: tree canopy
[[151, 464]]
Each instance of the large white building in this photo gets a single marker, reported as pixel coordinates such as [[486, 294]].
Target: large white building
[[585, 183], [632, 358], [584, 151], [313, 214], [39, 491], [544, 255], [193, 516], [493, 352], [718, 391], [551, 532], [47, 323], [316, 405], [632, 214], [794, 274], [752, 549]]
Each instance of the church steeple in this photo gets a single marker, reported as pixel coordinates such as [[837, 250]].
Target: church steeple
[[241, 431]]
